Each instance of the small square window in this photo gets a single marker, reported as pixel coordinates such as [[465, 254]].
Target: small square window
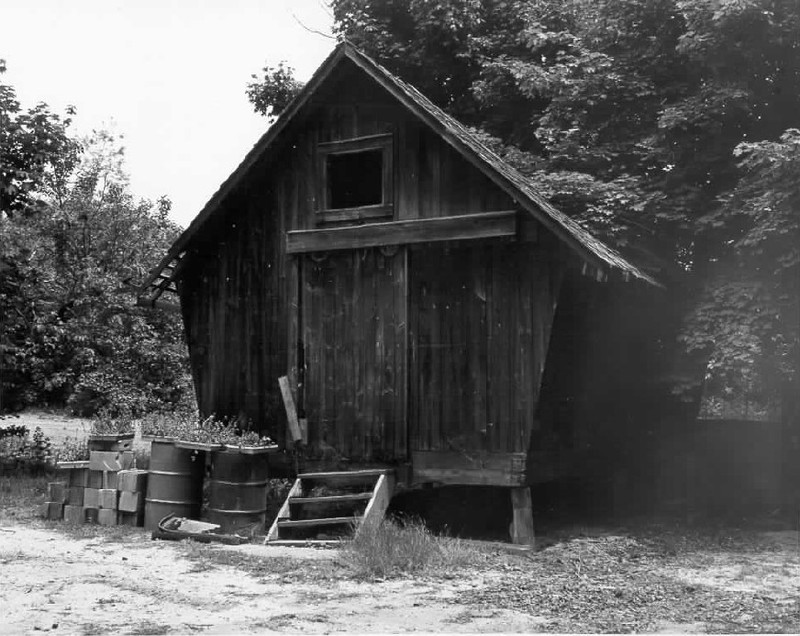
[[355, 178]]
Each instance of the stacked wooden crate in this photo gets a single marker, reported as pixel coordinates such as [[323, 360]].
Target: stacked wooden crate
[[101, 496], [76, 479], [107, 490], [53, 508], [132, 485]]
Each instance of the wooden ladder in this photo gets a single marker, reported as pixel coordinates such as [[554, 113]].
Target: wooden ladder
[[324, 507]]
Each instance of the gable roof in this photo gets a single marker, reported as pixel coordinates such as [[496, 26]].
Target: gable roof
[[595, 253]]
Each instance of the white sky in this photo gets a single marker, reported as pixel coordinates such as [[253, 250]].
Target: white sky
[[170, 75]]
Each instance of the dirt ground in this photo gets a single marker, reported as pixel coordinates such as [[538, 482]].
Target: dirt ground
[[116, 580], [638, 578], [53, 582]]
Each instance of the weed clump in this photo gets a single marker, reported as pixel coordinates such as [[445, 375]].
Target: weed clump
[[21, 452], [393, 548]]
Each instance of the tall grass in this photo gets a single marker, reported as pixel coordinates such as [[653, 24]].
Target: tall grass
[[20, 495], [394, 548]]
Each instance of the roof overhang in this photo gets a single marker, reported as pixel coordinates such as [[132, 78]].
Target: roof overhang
[[599, 260]]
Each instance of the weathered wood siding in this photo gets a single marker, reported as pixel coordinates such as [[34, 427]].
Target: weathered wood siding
[[353, 329], [234, 310], [480, 324], [444, 344]]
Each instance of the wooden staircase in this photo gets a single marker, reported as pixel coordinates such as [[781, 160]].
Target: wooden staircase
[[323, 507]]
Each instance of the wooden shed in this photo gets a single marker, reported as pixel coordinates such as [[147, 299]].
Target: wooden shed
[[408, 282]]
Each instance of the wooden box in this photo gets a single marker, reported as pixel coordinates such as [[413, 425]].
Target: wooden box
[[107, 499], [131, 501], [134, 480], [112, 461], [57, 491], [52, 510], [79, 477], [91, 497], [133, 519], [74, 514], [75, 496], [74, 473], [103, 479], [94, 478], [107, 517]]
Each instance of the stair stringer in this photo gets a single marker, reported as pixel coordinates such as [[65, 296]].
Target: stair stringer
[[376, 508], [284, 513]]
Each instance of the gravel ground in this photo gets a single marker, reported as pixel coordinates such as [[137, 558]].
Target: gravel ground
[[742, 582]]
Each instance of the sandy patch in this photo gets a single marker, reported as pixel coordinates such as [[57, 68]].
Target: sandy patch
[[54, 582]]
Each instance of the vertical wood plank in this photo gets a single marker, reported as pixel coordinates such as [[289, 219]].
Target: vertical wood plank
[[294, 327], [407, 171], [401, 379], [522, 531]]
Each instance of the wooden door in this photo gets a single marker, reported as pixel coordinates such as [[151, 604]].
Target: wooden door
[[352, 327]]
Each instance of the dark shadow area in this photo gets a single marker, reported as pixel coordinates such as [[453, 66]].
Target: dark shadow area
[[484, 512]]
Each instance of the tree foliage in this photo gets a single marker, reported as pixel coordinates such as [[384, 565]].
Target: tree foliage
[[33, 142], [666, 126], [274, 90], [72, 234]]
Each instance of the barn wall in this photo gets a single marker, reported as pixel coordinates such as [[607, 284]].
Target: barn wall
[[234, 305], [337, 323], [480, 325]]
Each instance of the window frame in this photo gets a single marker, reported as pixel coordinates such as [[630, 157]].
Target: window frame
[[382, 210]]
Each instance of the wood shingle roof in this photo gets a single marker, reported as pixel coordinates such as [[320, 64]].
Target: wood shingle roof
[[604, 260]]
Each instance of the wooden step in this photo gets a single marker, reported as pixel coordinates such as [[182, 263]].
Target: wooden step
[[305, 543], [331, 506], [360, 496], [343, 478], [326, 528], [313, 523]]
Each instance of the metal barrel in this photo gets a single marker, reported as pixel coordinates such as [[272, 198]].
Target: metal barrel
[[237, 491], [174, 483]]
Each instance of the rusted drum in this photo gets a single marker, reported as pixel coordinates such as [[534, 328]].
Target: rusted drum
[[237, 491], [174, 483]]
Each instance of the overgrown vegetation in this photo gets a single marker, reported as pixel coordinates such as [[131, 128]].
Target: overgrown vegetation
[[186, 425], [73, 238], [20, 494], [26, 454], [393, 548]]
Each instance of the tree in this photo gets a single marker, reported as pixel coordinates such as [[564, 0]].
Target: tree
[[32, 143], [70, 333], [650, 122], [271, 94], [749, 316]]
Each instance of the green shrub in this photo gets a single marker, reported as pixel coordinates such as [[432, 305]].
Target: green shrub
[[72, 450], [26, 454], [20, 495], [393, 548]]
